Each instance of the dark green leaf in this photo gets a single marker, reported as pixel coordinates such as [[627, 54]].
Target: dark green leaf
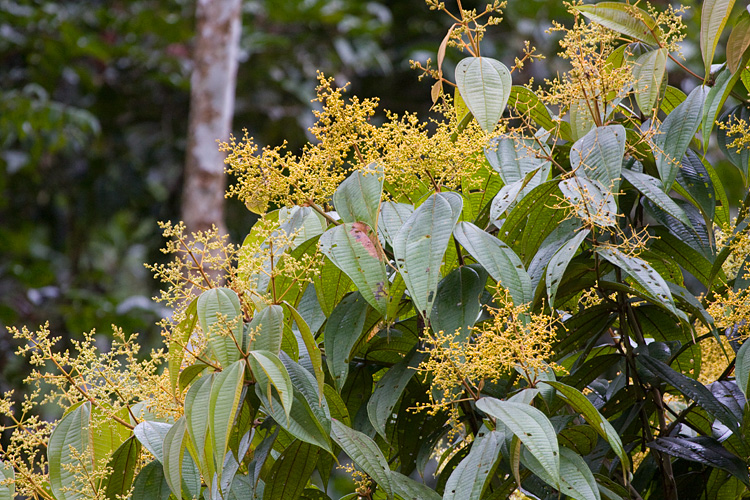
[[704, 450]]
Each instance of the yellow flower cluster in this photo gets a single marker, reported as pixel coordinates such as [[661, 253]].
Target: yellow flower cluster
[[114, 381], [513, 338], [415, 156]]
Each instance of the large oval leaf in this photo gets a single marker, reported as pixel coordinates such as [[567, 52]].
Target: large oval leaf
[[623, 18], [651, 189], [532, 427], [343, 330], [291, 471], [484, 85], [266, 329], [593, 203], [675, 134], [738, 42], [714, 16], [598, 155], [151, 435], [269, 371], [457, 305], [365, 453], [559, 262], [469, 478], [648, 72], [220, 316], [68, 440], [357, 199], [389, 389], [150, 484], [582, 405], [224, 401], [121, 469], [354, 248], [498, 259], [643, 273], [420, 244]]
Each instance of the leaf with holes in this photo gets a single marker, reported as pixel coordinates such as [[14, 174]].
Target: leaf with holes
[[642, 272], [559, 262], [651, 188]]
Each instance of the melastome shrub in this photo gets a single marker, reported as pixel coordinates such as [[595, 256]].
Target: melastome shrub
[[540, 289]]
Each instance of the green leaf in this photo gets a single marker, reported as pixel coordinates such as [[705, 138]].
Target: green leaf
[[484, 85], [691, 389], [582, 405], [197, 415], [623, 18], [696, 180], [642, 272], [105, 434], [354, 248], [389, 389], [514, 159], [313, 351], [738, 42], [151, 484], [365, 453], [532, 427], [704, 450], [304, 382], [357, 199], [225, 400], [151, 435], [302, 422], [331, 286], [675, 134], [291, 471], [122, 466], [578, 480], [598, 155], [593, 202], [220, 316], [420, 244], [179, 339], [180, 470], [470, 478], [7, 491], [409, 489], [457, 304], [581, 118], [648, 72], [715, 101], [527, 103], [343, 330], [268, 371], [336, 405], [267, 327], [742, 368], [673, 97], [714, 16], [559, 263], [68, 438], [392, 217], [651, 189], [497, 259]]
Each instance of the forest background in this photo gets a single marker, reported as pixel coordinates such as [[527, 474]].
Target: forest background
[[94, 105]]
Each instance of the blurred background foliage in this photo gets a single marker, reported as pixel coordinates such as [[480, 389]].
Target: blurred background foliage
[[93, 117]]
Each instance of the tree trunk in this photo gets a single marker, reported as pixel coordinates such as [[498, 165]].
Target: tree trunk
[[212, 88]]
